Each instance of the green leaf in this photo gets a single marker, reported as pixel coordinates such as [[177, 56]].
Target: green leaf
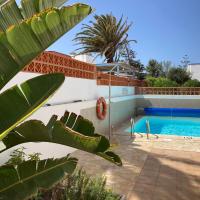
[[2, 1], [19, 102], [46, 4], [22, 42], [24, 180], [11, 13], [79, 135], [28, 8], [58, 3]]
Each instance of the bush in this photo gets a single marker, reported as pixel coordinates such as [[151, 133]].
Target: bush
[[82, 187], [179, 75], [192, 83], [160, 82], [79, 186], [164, 82], [150, 81]]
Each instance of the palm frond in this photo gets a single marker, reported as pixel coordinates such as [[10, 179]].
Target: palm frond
[[104, 36]]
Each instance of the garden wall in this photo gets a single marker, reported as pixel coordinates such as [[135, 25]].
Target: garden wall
[[122, 108]]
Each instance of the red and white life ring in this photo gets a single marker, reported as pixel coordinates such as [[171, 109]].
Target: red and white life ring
[[101, 108]]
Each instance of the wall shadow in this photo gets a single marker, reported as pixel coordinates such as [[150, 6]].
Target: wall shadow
[[148, 173]]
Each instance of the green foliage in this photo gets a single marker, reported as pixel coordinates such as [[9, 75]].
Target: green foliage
[[179, 75], [31, 7], [192, 83], [21, 40], [17, 157], [150, 81], [19, 102], [184, 61], [104, 36], [154, 69], [70, 130], [160, 82], [34, 156], [164, 82], [166, 66], [77, 186], [24, 180], [139, 70], [81, 187], [127, 55]]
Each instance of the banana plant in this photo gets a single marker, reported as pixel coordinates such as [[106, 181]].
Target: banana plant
[[25, 32], [23, 181], [71, 130], [22, 39]]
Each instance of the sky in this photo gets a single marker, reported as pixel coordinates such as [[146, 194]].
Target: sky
[[164, 29]]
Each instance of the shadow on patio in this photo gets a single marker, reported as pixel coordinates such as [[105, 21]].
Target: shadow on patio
[[148, 173]]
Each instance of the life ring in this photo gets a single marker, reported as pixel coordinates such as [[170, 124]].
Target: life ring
[[101, 113]]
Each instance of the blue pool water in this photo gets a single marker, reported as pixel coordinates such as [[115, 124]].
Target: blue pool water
[[180, 126]]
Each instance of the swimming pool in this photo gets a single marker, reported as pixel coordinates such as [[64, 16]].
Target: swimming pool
[[180, 126]]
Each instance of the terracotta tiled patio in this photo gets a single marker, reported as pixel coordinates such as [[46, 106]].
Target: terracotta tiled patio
[[152, 169]]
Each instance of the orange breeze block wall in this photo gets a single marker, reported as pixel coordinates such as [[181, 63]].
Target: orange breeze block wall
[[50, 62], [103, 79]]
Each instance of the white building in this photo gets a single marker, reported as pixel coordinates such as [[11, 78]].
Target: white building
[[84, 58], [194, 69]]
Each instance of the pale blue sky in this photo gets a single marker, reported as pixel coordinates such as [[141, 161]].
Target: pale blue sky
[[164, 29]]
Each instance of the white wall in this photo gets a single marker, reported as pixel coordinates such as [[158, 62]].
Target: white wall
[[116, 91], [194, 69], [47, 149], [84, 58], [72, 89]]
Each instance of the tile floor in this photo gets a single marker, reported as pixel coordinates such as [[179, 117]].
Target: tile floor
[[152, 169]]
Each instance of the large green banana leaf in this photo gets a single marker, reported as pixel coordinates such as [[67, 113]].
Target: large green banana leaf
[[71, 130], [21, 42], [19, 102], [32, 7], [23, 181], [11, 14]]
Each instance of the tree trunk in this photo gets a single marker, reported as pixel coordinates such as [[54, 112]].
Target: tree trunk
[[109, 57], [109, 60]]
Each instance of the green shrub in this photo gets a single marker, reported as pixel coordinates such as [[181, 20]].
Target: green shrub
[[150, 81], [160, 82], [82, 187], [79, 186], [164, 82], [179, 75], [17, 156], [192, 83]]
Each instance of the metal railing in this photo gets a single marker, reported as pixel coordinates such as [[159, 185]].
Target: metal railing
[[168, 90]]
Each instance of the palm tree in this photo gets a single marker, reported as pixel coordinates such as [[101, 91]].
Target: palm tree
[[104, 37]]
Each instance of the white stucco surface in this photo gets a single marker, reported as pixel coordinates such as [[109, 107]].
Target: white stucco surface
[[194, 69], [73, 89]]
